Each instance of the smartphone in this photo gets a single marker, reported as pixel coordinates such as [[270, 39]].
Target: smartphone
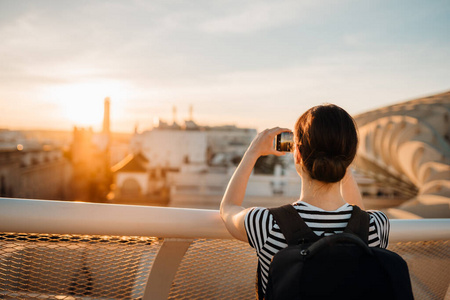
[[284, 142]]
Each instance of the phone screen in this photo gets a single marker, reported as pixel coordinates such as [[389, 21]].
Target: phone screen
[[285, 141]]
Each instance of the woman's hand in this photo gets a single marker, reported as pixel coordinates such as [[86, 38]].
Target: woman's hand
[[262, 145]]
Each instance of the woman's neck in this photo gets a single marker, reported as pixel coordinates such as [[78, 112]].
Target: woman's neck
[[323, 195]]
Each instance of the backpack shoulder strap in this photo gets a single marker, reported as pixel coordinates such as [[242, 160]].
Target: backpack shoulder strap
[[359, 224], [292, 225]]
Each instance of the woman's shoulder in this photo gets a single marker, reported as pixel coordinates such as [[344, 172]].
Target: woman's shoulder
[[258, 223], [257, 217], [257, 211], [378, 229], [378, 217]]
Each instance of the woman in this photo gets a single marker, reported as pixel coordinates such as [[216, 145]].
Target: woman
[[325, 144]]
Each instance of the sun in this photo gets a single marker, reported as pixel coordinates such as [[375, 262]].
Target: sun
[[82, 104]]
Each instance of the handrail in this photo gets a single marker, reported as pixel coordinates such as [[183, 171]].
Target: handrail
[[64, 217]]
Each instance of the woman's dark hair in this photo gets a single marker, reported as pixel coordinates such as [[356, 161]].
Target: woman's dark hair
[[327, 141]]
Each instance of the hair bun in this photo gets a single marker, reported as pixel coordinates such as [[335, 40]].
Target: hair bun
[[328, 168]]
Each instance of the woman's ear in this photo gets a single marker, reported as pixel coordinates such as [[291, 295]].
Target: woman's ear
[[297, 156], [298, 161]]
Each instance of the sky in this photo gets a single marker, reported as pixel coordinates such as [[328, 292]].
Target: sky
[[255, 64]]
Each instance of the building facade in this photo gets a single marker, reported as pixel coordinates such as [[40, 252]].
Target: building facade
[[35, 174]]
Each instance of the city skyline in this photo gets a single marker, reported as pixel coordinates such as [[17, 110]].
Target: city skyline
[[255, 64]]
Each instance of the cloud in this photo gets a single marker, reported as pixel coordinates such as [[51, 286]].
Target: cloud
[[257, 15], [357, 81]]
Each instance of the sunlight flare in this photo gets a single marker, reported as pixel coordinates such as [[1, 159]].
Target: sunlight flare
[[82, 103]]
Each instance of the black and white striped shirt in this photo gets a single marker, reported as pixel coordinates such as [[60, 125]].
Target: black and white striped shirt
[[265, 236]]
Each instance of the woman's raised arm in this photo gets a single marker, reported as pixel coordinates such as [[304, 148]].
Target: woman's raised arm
[[231, 210]]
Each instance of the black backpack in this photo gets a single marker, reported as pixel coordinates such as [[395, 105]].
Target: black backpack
[[339, 266]]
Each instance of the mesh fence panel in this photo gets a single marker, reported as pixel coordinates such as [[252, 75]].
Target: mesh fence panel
[[40, 266], [43, 266], [216, 269], [429, 267]]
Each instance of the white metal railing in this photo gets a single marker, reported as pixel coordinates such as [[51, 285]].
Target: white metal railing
[[179, 227], [63, 217]]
